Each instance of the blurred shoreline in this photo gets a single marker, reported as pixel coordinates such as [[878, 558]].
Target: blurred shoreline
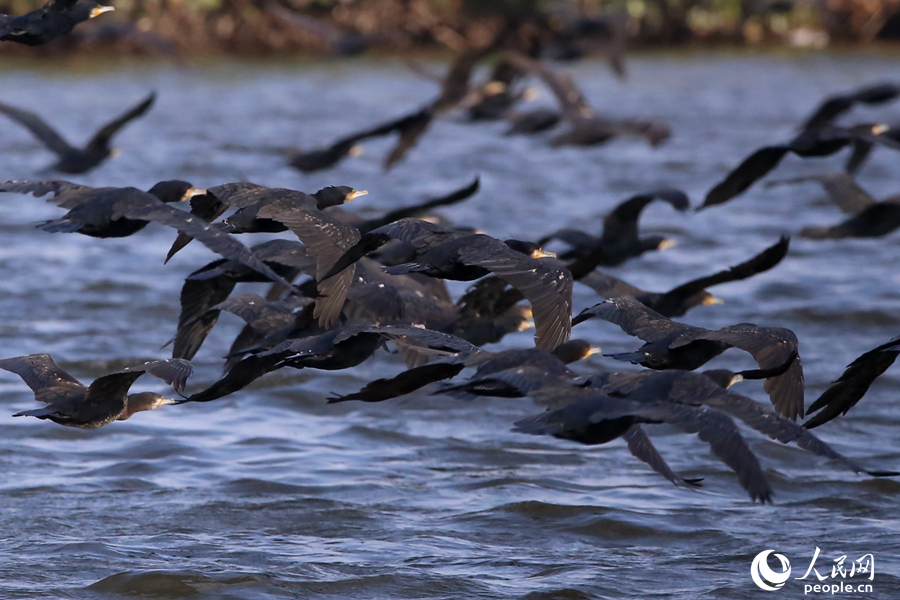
[[185, 29]]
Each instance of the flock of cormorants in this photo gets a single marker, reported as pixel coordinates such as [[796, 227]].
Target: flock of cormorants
[[344, 287]]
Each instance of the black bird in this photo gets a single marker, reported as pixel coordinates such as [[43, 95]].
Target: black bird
[[871, 218], [71, 403], [817, 142], [533, 121], [619, 240], [587, 128], [416, 210], [134, 205], [92, 210], [341, 348], [71, 159], [679, 300], [463, 256], [206, 288], [486, 364], [694, 402], [672, 345], [54, 19], [834, 106], [853, 384]]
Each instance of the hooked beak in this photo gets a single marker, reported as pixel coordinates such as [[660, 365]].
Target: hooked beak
[[99, 10], [541, 253], [164, 401], [666, 244], [530, 94], [593, 350], [710, 300], [192, 191], [355, 150], [356, 194], [879, 129], [736, 379], [526, 324]]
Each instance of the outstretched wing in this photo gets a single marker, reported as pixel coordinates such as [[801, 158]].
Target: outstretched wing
[[754, 167], [102, 138], [622, 223], [38, 128], [841, 189], [49, 382], [326, 240], [417, 209], [635, 319], [547, 287]]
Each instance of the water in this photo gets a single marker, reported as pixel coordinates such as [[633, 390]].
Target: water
[[272, 493]]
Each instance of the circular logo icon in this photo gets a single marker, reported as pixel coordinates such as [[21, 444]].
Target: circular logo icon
[[765, 577]]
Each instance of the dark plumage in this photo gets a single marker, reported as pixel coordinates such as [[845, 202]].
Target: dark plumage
[[533, 121], [853, 384], [337, 349], [619, 240], [73, 404], [834, 106], [54, 19], [416, 210], [70, 158], [465, 256], [672, 345], [821, 141], [92, 210], [485, 362], [679, 300]]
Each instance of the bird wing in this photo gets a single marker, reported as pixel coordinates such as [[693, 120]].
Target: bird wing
[[326, 240], [218, 241], [406, 382], [417, 209], [841, 189], [754, 167], [642, 448], [65, 193], [767, 422], [548, 288], [38, 127], [763, 261], [570, 99], [208, 208], [49, 382], [770, 347], [412, 128], [636, 319], [622, 223], [102, 138], [853, 383], [258, 312], [836, 105], [419, 337]]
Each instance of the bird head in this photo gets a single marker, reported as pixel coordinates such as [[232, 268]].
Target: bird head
[[336, 195], [175, 191]]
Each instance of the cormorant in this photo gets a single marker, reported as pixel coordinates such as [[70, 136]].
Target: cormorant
[[54, 19]]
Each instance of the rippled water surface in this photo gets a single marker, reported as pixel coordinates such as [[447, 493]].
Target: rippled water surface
[[272, 493]]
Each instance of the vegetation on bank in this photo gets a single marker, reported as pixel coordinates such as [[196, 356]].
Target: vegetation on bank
[[347, 26]]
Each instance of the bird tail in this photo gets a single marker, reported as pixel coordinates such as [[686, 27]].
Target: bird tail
[[632, 357], [60, 226], [40, 413]]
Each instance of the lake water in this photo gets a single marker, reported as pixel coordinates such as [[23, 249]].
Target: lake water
[[271, 493]]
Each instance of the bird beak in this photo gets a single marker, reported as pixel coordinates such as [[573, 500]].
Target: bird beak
[[526, 324], [666, 244], [879, 129], [99, 10], [530, 94], [192, 191], [710, 300], [736, 379], [492, 88], [356, 150], [541, 253], [164, 401], [593, 350], [115, 153], [356, 194]]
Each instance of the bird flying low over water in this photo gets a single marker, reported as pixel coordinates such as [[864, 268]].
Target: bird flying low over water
[[71, 403], [70, 158], [853, 384], [464, 256], [673, 345], [54, 19]]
